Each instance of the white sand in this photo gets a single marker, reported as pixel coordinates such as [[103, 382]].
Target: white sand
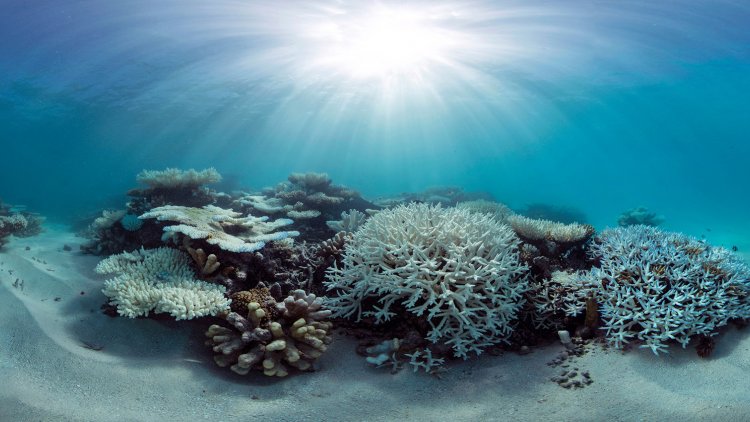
[[160, 371]]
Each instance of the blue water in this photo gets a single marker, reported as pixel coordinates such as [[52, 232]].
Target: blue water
[[598, 105]]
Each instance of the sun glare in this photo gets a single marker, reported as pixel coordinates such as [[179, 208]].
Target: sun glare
[[383, 42]]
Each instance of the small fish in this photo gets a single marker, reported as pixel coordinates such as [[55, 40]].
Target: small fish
[[734, 248]]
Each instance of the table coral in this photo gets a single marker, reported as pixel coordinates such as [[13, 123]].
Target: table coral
[[293, 333], [227, 229]]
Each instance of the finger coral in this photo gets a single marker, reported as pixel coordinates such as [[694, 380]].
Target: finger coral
[[272, 335], [457, 270]]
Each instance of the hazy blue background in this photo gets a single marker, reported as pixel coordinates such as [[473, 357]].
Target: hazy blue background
[[594, 104]]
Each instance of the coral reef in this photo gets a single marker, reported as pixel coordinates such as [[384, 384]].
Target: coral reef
[[311, 199], [459, 272], [160, 281], [655, 286], [557, 299], [549, 246], [224, 228], [173, 187], [273, 335], [112, 233], [11, 225], [16, 221], [639, 216]]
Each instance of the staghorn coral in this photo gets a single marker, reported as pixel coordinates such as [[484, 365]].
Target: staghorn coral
[[224, 228], [159, 280], [458, 271], [294, 333], [655, 286]]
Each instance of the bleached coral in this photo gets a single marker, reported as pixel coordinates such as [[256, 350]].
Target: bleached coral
[[312, 191], [173, 178], [107, 219], [497, 210], [531, 229], [10, 225], [227, 229], [563, 295], [350, 221], [264, 204], [273, 335], [658, 286], [159, 280], [457, 270]]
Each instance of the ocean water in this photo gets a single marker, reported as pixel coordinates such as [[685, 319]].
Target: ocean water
[[598, 106], [602, 106]]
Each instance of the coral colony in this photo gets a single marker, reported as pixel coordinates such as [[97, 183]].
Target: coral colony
[[419, 279]]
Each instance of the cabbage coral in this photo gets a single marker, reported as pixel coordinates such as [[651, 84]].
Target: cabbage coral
[[457, 270], [159, 280], [658, 286]]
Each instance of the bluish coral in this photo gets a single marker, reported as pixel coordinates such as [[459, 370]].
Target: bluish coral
[[131, 222], [655, 286]]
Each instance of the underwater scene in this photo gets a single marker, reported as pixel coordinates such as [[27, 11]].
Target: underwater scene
[[334, 210]]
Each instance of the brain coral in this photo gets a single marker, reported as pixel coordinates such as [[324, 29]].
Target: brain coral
[[658, 286], [458, 270]]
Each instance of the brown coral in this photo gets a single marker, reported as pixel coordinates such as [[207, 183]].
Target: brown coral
[[296, 336]]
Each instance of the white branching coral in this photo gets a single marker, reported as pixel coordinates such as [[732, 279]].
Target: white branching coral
[[658, 286], [273, 335], [533, 230], [226, 229], [350, 221], [159, 280], [460, 271], [172, 178]]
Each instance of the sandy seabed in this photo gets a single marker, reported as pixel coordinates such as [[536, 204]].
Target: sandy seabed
[[149, 370]]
